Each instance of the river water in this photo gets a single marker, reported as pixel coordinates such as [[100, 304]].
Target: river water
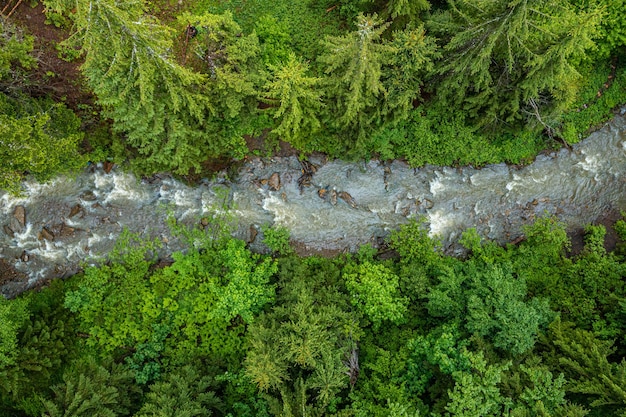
[[69, 221]]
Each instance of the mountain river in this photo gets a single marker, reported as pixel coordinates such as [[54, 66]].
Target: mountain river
[[54, 228]]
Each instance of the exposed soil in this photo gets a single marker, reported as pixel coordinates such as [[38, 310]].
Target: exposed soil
[[8, 273], [60, 79], [611, 240]]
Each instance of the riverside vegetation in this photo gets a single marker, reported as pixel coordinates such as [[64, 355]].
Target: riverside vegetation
[[522, 330]]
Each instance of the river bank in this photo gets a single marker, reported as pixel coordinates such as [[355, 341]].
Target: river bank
[[328, 206]]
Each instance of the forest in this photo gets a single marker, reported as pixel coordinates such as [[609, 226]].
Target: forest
[[531, 328]]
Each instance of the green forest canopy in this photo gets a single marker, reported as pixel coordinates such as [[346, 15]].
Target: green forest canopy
[[454, 82], [520, 330]]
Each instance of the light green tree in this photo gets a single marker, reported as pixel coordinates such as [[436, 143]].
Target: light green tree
[[13, 315], [37, 137], [374, 291], [196, 306], [476, 392], [299, 99]]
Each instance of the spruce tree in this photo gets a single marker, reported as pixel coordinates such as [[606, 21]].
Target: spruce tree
[[508, 60], [299, 101], [354, 63]]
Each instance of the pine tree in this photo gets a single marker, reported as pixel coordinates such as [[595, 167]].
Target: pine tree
[[181, 393], [91, 390], [299, 101], [354, 63], [297, 350], [586, 358], [404, 73], [504, 60]]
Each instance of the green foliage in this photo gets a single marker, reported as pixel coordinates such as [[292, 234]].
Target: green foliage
[[508, 59], [440, 352], [612, 29], [92, 390], [277, 239], [491, 302], [433, 134], [45, 343], [37, 137], [15, 47], [298, 101], [274, 40], [590, 109], [405, 71], [182, 393], [13, 315], [476, 392], [354, 62], [297, 348], [374, 291], [586, 359], [304, 22], [196, 306]]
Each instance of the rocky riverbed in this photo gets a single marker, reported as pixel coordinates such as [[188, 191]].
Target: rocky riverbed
[[328, 206]]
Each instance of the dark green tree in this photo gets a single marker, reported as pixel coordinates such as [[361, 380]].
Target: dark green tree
[[405, 71], [354, 63], [89, 389], [492, 303], [184, 392], [504, 60], [585, 359], [297, 350]]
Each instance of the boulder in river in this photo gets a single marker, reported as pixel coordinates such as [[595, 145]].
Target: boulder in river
[[108, 166], [75, 210], [20, 214], [65, 230], [253, 233], [46, 234], [274, 181], [333, 197], [345, 196], [8, 231]]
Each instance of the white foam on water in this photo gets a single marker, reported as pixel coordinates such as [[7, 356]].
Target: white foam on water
[[283, 216], [125, 187], [25, 238], [439, 223], [94, 239], [50, 251], [436, 185], [591, 164]]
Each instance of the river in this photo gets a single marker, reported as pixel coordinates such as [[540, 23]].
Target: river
[[53, 228]]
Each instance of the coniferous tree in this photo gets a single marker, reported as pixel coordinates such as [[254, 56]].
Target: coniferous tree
[[299, 99], [504, 60], [92, 390], [354, 63], [585, 358], [181, 393], [404, 74]]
